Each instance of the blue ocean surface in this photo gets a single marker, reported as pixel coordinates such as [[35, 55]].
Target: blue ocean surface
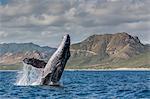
[[81, 85]]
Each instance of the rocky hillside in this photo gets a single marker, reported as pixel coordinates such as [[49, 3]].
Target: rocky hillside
[[120, 45], [14, 53], [106, 50]]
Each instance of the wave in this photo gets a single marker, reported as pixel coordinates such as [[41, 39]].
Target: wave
[[29, 75]]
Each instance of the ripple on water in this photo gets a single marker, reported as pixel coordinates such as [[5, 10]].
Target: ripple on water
[[82, 84]]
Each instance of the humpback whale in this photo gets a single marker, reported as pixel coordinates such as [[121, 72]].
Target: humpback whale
[[53, 69]]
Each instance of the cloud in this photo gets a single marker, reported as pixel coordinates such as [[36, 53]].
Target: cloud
[[43, 21], [3, 34]]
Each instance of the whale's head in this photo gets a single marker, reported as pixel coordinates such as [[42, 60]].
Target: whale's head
[[66, 41], [67, 38], [63, 50]]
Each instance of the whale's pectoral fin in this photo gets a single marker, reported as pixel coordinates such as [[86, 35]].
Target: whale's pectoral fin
[[35, 62]]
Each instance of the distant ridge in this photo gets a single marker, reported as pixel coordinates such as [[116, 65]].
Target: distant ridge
[[22, 47], [13, 53]]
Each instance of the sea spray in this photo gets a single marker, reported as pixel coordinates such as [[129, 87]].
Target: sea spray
[[29, 75]]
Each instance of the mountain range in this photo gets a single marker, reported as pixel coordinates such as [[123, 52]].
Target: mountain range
[[106, 51]]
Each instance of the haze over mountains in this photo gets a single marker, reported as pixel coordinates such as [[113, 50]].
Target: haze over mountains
[[13, 53], [96, 52]]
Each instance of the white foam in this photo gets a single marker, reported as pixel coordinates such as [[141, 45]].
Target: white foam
[[29, 76]]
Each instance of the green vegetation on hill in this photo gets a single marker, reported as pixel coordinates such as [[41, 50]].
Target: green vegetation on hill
[[138, 61], [11, 67]]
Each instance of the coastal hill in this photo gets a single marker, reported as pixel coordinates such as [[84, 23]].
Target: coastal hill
[[118, 50], [107, 51]]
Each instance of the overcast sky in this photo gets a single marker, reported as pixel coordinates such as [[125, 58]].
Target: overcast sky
[[44, 22]]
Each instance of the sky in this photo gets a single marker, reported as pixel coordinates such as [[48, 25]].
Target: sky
[[44, 22]]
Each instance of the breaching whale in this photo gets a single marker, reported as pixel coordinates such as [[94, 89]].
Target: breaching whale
[[52, 71]]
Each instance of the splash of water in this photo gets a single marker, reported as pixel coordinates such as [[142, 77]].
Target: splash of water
[[29, 76]]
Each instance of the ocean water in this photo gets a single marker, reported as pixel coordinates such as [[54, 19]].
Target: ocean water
[[81, 85]]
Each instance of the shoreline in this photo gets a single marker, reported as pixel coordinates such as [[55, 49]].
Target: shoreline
[[116, 69]]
